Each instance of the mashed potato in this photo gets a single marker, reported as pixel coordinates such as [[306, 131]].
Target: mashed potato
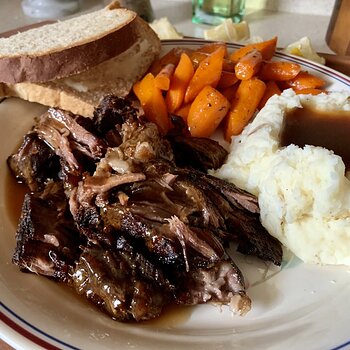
[[303, 193]]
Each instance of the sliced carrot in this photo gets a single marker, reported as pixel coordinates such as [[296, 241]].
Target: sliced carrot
[[183, 111], [173, 57], [267, 49], [305, 80], [197, 57], [271, 89], [152, 102], [227, 79], [211, 47], [162, 79], [243, 106], [309, 91], [279, 71], [230, 92], [139, 87], [207, 73], [248, 65], [206, 112], [182, 76]]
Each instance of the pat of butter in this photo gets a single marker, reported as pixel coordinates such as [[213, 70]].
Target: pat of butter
[[228, 31], [164, 29], [303, 48]]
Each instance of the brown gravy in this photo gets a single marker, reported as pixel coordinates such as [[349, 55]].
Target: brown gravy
[[14, 195], [328, 129]]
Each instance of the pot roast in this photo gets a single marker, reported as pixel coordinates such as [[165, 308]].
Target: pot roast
[[129, 218]]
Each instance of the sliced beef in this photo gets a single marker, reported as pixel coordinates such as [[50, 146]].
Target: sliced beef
[[226, 210], [128, 286], [236, 196], [199, 153], [122, 282], [70, 141], [240, 212], [109, 117], [172, 242], [47, 240], [221, 284], [63, 119], [34, 163]]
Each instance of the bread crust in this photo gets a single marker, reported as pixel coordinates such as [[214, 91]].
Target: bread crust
[[71, 60]]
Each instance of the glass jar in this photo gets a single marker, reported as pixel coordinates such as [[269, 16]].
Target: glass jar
[[216, 11]]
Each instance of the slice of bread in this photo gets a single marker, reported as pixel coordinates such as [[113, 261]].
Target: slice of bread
[[81, 93], [68, 47]]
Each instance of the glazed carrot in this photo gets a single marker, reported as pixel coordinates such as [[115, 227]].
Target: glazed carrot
[[227, 79], [244, 105], [271, 89], [248, 65], [197, 57], [152, 102], [183, 111], [173, 57], [180, 80], [206, 112], [207, 73], [305, 80], [230, 92], [212, 47], [279, 71], [267, 49], [162, 79]]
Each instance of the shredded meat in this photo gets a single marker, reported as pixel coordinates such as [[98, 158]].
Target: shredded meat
[[130, 219]]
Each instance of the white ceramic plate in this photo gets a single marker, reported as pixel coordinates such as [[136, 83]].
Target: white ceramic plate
[[298, 307]]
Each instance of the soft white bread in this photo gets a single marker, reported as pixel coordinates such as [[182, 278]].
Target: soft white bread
[[81, 93], [68, 47]]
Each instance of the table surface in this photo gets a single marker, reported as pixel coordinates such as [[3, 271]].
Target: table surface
[[264, 23], [288, 26]]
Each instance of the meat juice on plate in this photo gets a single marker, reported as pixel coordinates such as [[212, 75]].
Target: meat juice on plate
[[14, 193]]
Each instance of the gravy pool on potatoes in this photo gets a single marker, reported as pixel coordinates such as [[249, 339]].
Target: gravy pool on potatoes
[[309, 126]]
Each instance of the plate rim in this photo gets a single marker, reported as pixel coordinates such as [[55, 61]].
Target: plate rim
[[279, 53]]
